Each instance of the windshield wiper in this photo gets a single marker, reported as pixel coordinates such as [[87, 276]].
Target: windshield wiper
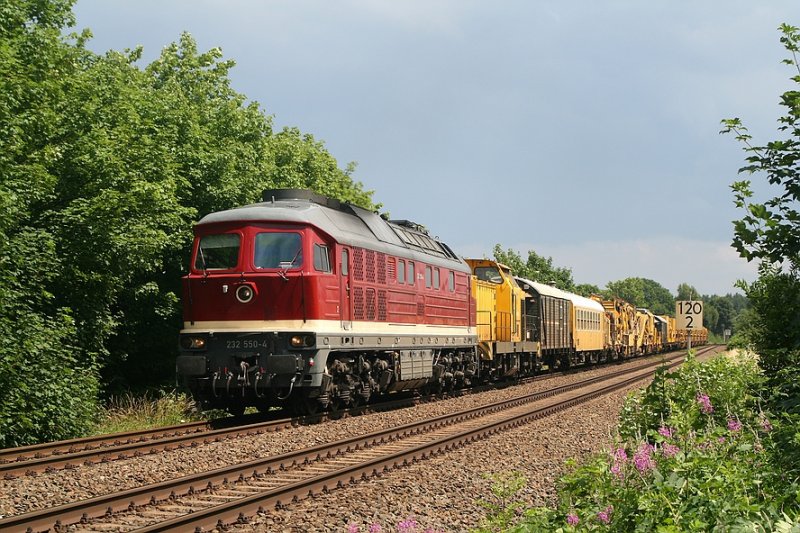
[[285, 269], [203, 259]]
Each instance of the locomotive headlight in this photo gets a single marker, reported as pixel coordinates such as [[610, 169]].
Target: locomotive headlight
[[300, 341], [245, 293], [193, 343]]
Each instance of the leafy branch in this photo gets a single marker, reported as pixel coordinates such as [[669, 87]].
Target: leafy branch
[[770, 230]]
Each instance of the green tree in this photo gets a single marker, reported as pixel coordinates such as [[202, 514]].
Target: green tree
[[536, 268], [769, 231], [643, 292], [687, 292], [725, 312], [587, 289], [300, 161], [47, 387], [103, 169], [629, 289], [711, 315]]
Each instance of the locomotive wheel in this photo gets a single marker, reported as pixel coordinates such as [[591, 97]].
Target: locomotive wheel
[[306, 406], [356, 398], [337, 408]]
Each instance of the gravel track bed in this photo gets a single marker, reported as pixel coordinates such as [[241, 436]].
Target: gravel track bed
[[392, 498], [443, 494]]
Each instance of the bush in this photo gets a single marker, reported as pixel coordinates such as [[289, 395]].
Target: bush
[[696, 453], [729, 385], [46, 393]]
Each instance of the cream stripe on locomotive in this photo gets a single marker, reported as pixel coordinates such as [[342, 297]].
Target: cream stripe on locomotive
[[330, 326]]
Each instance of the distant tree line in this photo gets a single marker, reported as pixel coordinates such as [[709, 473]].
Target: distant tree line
[[719, 314], [104, 167]]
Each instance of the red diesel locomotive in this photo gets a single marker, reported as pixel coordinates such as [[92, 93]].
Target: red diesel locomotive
[[305, 301]]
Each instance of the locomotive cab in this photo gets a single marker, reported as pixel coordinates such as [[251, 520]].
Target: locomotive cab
[[245, 275]]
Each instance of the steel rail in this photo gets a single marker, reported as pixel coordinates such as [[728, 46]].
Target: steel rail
[[37, 451], [73, 453], [238, 511], [77, 511]]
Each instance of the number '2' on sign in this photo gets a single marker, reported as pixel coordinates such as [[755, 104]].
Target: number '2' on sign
[[688, 314]]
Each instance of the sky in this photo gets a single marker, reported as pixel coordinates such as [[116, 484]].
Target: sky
[[586, 131]]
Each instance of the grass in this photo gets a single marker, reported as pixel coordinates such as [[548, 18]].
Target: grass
[[131, 412]]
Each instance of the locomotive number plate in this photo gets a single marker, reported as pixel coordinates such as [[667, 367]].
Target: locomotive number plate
[[246, 344]]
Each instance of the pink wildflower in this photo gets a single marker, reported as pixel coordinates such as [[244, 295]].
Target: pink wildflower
[[605, 515], [670, 450], [642, 459], [766, 425], [734, 425], [375, 528], [705, 403], [407, 526], [665, 432], [353, 528], [620, 455], [572, 519], [721, 440]]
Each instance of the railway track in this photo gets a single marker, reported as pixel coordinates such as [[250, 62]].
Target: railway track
[[231, 494], [48, 457]]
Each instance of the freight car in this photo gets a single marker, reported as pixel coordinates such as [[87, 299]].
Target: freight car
[[306, 302], [571, 329]]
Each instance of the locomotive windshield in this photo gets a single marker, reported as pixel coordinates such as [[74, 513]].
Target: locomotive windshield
[[278, 250], [490, 274], [217, 252]]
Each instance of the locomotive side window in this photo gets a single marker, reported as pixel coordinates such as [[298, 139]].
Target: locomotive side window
[[345, 261], [278, 250], [451, 281], [411, 279], [436, 284], [218, 252], [322, 262], [428, 277], [401, 271]]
